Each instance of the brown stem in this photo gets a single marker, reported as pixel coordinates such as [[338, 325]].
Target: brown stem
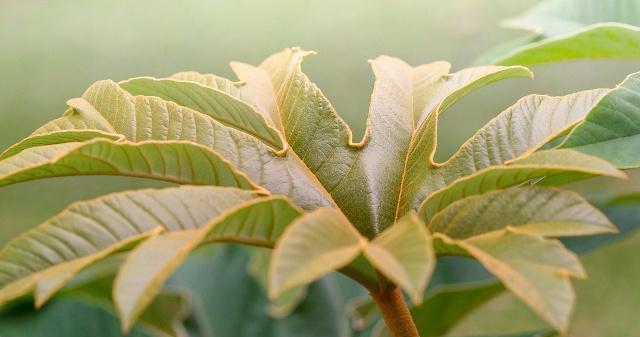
[[395, 312]]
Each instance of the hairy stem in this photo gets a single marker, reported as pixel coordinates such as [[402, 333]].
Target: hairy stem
[[395, 312]]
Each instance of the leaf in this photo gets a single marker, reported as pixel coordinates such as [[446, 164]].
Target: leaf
[[555, 166], [105, 106], [235, 298], [608, 40], [314, 245], [535, 269], [174, 161], [91, 299], [88, 231], [58, 137], [516, 132], [218, 104], [612, 129], [164, 316], [403, 253], [325, 143], [147, 267], [543, 210], [445, 306], [54, 320], [418, 170], [572, 29]]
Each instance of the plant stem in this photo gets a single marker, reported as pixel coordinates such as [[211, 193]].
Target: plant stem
[[395, 312]]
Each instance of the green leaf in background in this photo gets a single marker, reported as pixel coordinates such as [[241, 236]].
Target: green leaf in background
[[572, 29], [89, 297], [282, 306], [446, 305], [55, 320], [612, 129], [235, 298]]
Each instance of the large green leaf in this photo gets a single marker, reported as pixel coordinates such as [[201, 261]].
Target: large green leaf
[[215, 103], [146, 268], [573, 29], [49, 255], [543, 210], [175, 161], [612, 129], [592, 42]]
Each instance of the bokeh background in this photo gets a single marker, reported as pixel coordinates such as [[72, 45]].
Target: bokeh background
[[51, 50]]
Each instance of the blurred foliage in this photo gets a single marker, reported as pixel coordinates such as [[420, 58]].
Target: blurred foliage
[[52, 50]]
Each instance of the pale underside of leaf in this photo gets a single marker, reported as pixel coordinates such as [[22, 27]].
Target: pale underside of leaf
[[258, 222], [314, 245], [143, 118], [543, 210], [536, 270], [93, 227], [446, 305], [173, 161], [418, 169], [218, 104], [555, 167], [516, 132], [403, 253]]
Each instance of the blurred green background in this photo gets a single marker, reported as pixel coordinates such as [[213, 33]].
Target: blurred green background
[[52, 50]]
